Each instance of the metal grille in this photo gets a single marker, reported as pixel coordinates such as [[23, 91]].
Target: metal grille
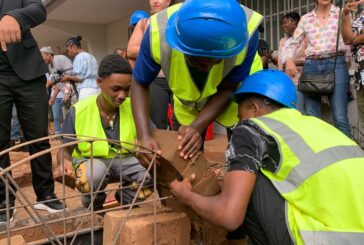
[[273, 11]]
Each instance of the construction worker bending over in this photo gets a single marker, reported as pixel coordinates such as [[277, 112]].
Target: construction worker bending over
[[292, 179], [106, 116], [205, 49]]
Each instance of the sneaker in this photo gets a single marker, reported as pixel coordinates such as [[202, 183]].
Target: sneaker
[[3, 219], [51, 204]]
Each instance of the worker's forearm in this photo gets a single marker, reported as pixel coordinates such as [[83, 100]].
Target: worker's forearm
[[140, 106], [212, 209]]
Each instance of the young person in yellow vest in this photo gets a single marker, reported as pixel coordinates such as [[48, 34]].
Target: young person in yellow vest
[[205, 49], [291, 179], [105, 116]]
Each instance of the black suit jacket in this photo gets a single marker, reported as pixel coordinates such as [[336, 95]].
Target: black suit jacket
[[25, 57]]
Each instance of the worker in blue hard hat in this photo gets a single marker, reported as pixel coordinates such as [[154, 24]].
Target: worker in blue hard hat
[[134, 19], [136, 16], [161, 96], [291, 179], [205, 49]]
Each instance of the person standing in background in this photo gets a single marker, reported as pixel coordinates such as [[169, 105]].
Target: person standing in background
[[320, 28], [160, 93], [353, 34], [22, 81], [289, 24], [134, 19], [84, 69], [59, 65]]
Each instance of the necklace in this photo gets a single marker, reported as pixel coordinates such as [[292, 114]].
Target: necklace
[[323, 15], [110, 118]]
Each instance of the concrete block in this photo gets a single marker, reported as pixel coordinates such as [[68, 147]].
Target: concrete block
[[172, 228]]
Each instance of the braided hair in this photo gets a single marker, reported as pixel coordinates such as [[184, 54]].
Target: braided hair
[[74, 41]]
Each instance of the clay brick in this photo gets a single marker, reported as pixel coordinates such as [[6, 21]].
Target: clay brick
[[172, 228], [15, 240], [113, 220]]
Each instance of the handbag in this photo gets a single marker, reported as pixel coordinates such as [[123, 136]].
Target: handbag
[[317, 84], [320, 84]]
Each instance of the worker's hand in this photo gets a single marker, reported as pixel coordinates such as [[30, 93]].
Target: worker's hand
[[190, 141], [9, 31], [182, 189], [290, 69], [68, 169], [151, 144], [351, 5]]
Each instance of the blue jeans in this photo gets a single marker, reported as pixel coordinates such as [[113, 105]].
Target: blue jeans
[[300, 106], [15, 126], [339, 99], [57, 114]]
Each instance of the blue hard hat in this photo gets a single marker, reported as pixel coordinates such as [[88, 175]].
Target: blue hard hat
[[216, 29], [272, 84], [138, 15]]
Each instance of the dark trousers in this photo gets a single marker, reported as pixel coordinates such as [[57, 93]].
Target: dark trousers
[[31, 101], [265, 219], [160, 97]]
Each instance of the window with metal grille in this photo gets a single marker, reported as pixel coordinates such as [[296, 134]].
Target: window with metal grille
[[273, 11]]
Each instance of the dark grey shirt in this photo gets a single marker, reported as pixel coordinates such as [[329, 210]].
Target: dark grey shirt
[[250, 149], [68, 126]]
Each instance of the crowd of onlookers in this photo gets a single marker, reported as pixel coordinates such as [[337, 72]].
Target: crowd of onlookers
[[309, 46]]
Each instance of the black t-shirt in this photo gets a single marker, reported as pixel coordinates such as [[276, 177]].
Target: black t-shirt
[[250, 149], [68, 127], [199, 77]]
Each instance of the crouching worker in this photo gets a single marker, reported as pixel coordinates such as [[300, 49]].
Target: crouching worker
[[292, 179], [106, 116]]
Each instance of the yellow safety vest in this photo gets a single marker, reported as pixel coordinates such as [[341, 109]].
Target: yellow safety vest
[[320, 176], [188, 99], [88, 123]]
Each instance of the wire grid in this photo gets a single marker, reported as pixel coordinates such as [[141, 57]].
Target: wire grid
[[53, 238]]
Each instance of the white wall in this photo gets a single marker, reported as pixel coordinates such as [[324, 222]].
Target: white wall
[[99, 40], [116, 34], [92, 34]]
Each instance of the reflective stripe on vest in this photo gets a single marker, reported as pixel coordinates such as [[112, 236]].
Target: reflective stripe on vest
[[189, 100], [333, 238], [310, 162], [318, 175], [88, 123]]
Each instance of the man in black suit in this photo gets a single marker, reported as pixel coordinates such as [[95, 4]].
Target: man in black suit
[[22, 81]]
